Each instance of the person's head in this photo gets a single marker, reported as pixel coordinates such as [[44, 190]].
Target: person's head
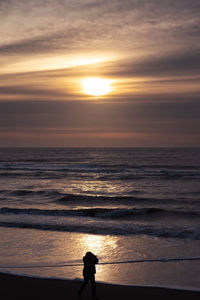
[[89, 254]]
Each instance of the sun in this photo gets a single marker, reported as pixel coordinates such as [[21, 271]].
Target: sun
[[95, 86]]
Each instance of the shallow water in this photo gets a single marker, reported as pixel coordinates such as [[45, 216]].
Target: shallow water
[[35, 249]]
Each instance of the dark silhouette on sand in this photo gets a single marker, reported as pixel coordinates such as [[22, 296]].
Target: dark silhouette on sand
[[89, 271]]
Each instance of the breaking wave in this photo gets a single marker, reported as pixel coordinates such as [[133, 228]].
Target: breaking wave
[[107, 213], [102, 172], [105, 228]]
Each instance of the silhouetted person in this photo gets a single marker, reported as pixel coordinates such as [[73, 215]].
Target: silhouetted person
[[89, 271]]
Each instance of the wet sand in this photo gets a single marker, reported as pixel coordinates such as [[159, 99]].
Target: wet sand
[[21, 287]]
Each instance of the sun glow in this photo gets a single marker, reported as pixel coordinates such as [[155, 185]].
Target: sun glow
[[95, 86]]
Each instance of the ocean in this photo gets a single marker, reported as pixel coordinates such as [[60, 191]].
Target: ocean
[[124, 204]]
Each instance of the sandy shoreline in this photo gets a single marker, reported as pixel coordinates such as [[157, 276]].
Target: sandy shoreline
[[21, 287]]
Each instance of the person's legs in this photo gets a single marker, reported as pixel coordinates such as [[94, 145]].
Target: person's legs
[[93, 286], [85, 282]]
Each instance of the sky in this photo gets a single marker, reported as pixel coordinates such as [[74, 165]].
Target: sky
[[149, 50]]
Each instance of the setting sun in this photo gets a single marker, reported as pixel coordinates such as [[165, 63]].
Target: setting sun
[[96, 86]]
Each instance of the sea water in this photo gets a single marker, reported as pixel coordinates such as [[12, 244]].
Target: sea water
[[122, 204]]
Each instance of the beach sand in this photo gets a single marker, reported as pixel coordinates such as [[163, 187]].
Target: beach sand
[[21, 287]]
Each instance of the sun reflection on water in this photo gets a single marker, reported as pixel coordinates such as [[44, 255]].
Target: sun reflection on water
[[98, 244], [103, 247]]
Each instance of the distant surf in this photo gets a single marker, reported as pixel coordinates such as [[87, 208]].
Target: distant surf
[[126, 191]]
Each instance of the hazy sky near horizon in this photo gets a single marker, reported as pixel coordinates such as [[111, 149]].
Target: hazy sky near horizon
[[149, 49]]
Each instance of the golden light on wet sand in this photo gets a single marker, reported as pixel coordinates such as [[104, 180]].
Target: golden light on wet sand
[[95, 86]]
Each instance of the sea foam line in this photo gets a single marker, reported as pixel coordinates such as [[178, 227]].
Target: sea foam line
[[163, 259]]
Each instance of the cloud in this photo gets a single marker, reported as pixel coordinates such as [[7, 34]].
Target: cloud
[[95, 114], [161, 64], [95, 123], [63, 40], [37, 27], [156, 72], [168, 77]]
